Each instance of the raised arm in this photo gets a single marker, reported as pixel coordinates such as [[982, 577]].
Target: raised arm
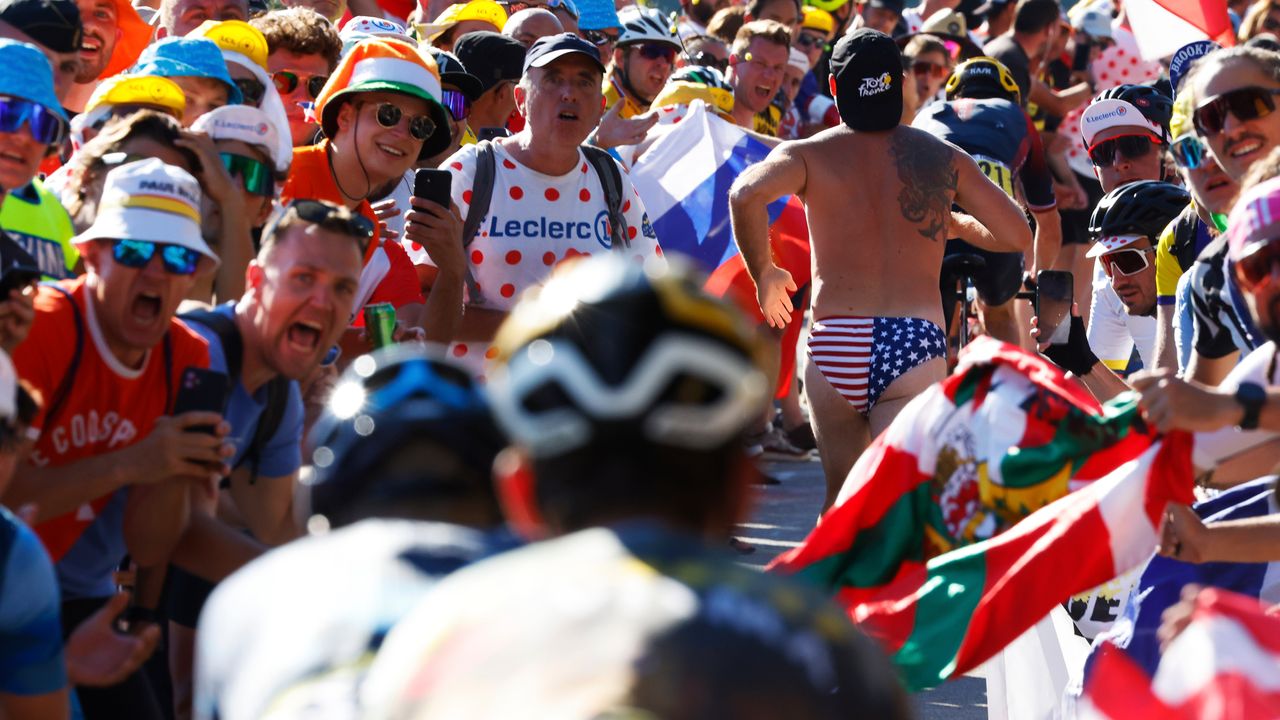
[[782, 173]]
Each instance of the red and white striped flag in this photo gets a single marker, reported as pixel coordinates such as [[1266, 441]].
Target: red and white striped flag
[[1225, 665], [1162, 26]]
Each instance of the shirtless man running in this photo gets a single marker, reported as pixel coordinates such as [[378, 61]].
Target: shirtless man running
[[878, 198]]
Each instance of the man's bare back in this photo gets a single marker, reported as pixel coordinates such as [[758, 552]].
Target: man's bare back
[[878, 206]]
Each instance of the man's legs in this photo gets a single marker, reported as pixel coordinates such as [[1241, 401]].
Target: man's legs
[[841, 431], [904, 390]]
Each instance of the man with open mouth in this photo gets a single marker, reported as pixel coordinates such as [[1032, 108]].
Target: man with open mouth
[[757, 65]]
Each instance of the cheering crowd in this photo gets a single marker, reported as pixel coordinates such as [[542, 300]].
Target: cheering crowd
[[383, 359]]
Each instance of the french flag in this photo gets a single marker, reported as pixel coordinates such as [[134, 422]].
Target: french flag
[[684, 178], [1160, 27]]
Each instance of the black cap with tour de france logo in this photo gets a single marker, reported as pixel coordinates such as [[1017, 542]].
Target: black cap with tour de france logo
[[867, 66]]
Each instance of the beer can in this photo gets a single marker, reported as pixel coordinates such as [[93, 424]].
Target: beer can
[[380, 324]]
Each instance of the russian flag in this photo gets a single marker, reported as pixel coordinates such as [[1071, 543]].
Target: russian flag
[[1162, 26], [684, 178]]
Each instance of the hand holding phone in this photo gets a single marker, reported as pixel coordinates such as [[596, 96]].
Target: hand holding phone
[[17, 278], [434, 185], [1054, 294], [204, 390]]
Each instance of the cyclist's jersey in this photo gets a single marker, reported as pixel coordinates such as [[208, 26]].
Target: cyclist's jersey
[[35, 218], [30, 633], [768, 121], [613, 94], [320, 609], [1000, 136], [1180, 244], [1221, 325]]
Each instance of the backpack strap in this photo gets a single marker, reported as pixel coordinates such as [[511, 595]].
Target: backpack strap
[[611, 180], [64, 388], [481, 195], [227, 332]]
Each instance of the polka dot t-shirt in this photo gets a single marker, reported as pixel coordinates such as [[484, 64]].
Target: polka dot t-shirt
[[536, 221]]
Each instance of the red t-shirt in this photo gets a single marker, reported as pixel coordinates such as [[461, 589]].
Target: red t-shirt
[[388, 272], [109, 406]]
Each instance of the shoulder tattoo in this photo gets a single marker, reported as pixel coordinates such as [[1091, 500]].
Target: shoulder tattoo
[[928, 176]]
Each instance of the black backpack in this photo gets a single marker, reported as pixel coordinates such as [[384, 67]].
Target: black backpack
[[277, 388], [482, 193]]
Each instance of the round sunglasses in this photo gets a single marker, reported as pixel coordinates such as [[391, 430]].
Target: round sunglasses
[[286, 81], [389, 115]]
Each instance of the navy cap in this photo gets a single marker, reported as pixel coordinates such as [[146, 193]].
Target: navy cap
[[1187, 55], [546, 50], [54, 24]]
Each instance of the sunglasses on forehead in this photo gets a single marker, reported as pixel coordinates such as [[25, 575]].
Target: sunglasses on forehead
[[1131, 147], [599, 37], [328, 216], [1248, 103]]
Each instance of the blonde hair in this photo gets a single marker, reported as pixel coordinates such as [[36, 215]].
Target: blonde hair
[[771, 30]]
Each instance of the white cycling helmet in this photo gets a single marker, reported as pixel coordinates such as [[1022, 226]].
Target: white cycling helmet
[[645, 25]]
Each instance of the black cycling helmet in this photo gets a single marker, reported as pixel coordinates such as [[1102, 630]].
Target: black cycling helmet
[[1154, 105], [983, 77], [1138, 208], [398, 397], [611, 352]]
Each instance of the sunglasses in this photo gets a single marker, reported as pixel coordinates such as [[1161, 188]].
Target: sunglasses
[[1132, 147], [706, 59], [924, 67], [286, 81], [1254, 267], [255, 174], [1189, 152], [1126, 261], [252, 90], [598, 37], [1245, 104], [456, 103], [655, 51], [420, 126], [45, 126], [327, 216], [177, 260], [805, 41]]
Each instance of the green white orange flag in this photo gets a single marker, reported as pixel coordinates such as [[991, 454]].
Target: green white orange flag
[[995, 495]]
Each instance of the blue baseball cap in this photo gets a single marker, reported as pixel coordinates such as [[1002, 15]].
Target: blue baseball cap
[[25, 73], [187, 57], [597, 15], [546, 50], [1186, 56]]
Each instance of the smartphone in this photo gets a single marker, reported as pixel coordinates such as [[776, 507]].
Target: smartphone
[[492, 133], [1054, 293], [434, 185], [1080, 61], [16, 278], [204, 390]]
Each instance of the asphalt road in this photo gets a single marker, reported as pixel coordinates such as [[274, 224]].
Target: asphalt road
[[783, 516]]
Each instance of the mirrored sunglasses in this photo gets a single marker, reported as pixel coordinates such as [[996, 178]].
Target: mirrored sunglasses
[[177, 260]]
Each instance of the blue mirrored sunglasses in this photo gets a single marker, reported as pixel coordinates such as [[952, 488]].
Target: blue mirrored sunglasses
[[43, 124], [1189, 152], [177, 260]]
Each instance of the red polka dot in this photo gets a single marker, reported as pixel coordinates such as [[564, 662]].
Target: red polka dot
[[513, 257], [459, 350], [508, 164], [548, 258], [1133, 61], [508, 290], [631, 233], [657, 250], [668, 109], [1111, 64], [456, 166], [491, 353], [626, 206], [676, 119], [585, 195], [415, 246], [517, 192], [477, 257], [584, 167], [552, 194], [466, 196]]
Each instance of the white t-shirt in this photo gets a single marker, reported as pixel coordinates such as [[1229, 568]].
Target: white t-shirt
[[536, 221], [1113, 332]]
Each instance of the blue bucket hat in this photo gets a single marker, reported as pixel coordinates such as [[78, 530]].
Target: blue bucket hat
[[187, 57], [597, 15], [25, 73]]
